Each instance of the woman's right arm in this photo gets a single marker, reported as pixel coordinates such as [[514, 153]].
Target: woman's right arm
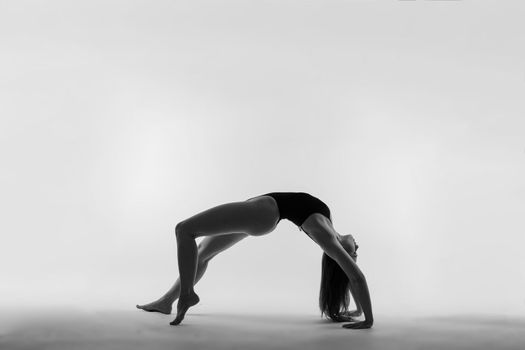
[[357, 280]]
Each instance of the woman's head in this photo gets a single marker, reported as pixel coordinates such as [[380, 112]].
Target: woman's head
[[348, 242], [333, 295]]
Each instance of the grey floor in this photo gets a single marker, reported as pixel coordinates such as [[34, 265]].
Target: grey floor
[[136, 329]]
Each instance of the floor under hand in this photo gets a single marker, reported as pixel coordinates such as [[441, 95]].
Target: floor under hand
[[137, 329]]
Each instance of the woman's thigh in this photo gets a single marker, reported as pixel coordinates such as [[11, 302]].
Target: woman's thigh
[[213, 245], [251, 217]]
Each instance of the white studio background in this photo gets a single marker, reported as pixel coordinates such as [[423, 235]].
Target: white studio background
[[121, 118]]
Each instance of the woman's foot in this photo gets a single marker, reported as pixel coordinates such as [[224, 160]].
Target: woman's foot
[[157, 306], [185, 302]]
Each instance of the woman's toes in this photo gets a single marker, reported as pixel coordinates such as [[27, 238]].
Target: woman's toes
[[156, 307]]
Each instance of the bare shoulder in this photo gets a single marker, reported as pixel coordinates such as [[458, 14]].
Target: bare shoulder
[[320, 229]]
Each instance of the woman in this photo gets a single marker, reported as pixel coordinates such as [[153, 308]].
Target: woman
[[227, 224]]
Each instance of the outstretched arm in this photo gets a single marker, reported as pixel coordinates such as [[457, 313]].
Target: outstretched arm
[[361, 294], [359, 309], [359, 287]]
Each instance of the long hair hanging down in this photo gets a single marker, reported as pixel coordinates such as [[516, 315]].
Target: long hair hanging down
[[333, 295]]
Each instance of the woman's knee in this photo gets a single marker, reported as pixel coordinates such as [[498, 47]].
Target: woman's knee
[[181, 230], [178, 228], [202, 262], [204, 256], [206, 251]]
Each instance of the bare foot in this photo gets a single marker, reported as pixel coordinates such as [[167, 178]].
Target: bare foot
[[185, 302], [157, 306]]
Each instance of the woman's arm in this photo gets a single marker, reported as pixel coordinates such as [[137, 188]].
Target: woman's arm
[[361, 294], [357, 280], [358, 310], [368, 322]]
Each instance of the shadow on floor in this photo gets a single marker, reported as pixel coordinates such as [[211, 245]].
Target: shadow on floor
[[136, 329]]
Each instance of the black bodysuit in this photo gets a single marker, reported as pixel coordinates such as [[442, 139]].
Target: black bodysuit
[[297, 206]]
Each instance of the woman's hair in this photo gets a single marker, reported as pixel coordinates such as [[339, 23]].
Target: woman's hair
[[333, 295]]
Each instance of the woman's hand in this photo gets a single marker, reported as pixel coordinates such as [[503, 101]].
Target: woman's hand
[[353, 313], [358, 325], [344, 318]]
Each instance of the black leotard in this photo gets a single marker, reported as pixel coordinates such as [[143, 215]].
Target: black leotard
[[297, 206]]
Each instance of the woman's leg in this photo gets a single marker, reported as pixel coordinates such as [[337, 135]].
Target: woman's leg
[[255, 217], [208, 248]]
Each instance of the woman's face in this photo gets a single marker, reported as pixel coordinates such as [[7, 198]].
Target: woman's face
[[348, 242]]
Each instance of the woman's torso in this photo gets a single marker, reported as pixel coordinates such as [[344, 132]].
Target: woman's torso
[[298, 206]]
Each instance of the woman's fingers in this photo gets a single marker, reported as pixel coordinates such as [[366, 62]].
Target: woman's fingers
[[353, 313], [357, 325], [345, 319]]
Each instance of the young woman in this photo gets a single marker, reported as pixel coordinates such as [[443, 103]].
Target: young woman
[[227, 224]]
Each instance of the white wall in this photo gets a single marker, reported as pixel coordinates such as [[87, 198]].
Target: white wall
[[119, 119]]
